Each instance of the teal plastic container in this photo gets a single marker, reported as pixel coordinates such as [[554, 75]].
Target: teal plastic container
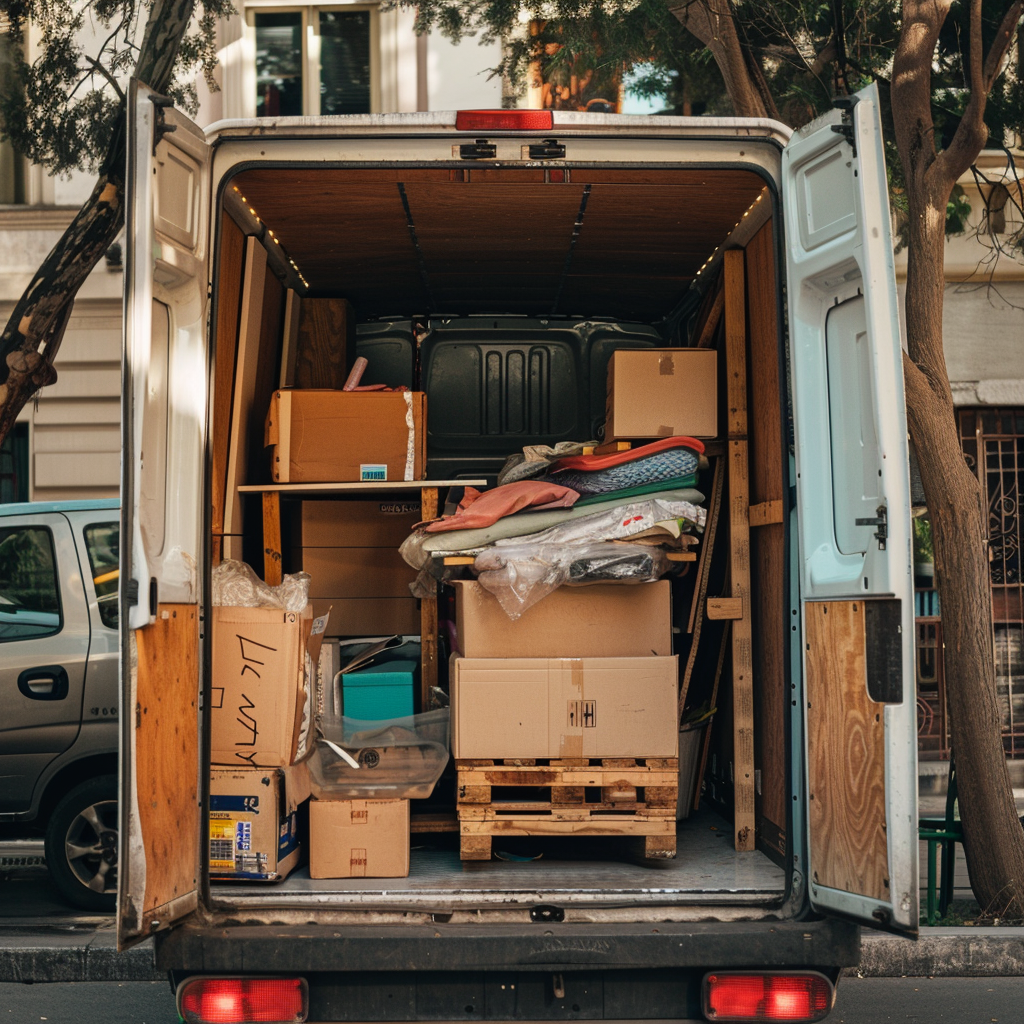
[[381, 691]]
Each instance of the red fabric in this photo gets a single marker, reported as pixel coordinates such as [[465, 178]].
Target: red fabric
[[589, 462], [485, 508]]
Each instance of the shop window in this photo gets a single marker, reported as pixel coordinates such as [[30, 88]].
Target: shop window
[[313, 60]]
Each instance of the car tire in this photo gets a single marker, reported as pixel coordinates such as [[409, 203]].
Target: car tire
[[81, 844]]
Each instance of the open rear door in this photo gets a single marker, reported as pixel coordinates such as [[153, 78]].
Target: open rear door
[[163, 417], [856, 582]]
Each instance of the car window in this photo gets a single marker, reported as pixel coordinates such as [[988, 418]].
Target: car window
[[101, 541], [29, 591]]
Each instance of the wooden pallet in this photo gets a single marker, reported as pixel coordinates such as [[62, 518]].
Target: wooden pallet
[[568, 796]]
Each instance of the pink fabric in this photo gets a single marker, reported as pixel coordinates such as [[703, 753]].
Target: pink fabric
[[484, 508]]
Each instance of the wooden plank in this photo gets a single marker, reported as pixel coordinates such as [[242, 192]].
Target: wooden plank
[[846, 754], [700, 590], [724, 608], [766, 513], [744, 822], [433, 821], [707, 331], [357, 487], [459, 560], [231, 261], [576, 777], [289, 339], [609, 448], [712, 702], [428, 614], [599, 825], [166, 759], [268, 360], [326, 336], [473, 847], [660, 847], [245, 380], [272, 571], [546, 811], [681, 556]]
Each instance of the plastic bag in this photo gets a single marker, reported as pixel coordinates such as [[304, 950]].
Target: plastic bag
[[521, 575], [234, 584], [398, 759]]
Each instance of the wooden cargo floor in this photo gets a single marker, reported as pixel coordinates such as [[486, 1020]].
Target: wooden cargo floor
[[601, 870]]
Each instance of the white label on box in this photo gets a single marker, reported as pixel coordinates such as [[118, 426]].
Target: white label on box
[[373, 471]]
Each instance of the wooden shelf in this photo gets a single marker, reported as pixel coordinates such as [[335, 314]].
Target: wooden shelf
[[355, 487]]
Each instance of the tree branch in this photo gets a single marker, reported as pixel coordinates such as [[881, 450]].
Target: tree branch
[[1001, 45], [111, 80]]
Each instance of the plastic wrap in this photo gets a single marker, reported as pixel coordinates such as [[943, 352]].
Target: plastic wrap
[[521, 575], [235, 585], [398, 759]]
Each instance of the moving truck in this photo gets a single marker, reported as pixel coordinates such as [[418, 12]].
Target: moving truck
[[496, 260]]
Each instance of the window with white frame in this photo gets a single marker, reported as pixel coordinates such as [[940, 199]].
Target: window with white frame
[[314, 60]]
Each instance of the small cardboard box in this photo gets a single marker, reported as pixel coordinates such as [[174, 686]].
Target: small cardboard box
[[338, 436], [662, 392], [370, 616], [380, 691], [358, 838], [253, 822], [564, 707], [356, 524], [610, 620], [263, 673], [356, 572]]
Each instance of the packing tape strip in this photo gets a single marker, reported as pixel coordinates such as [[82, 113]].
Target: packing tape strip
[[410, 443]]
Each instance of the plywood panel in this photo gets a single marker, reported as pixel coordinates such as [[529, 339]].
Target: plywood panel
[[268, 362], [166, 754], [326, 336], [225, 340], [846, 752], [767, 540]]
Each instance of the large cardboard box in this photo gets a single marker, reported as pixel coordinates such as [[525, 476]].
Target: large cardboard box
[[612, 620], [337, 436], [370, 616], [662, 392], [356, 572], [564, 707], [254, 822], [355, 524], [358, 838], [263, 674]]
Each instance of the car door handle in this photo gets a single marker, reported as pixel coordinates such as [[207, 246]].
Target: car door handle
[[46, 682]]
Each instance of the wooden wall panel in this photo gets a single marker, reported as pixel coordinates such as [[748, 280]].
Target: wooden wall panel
[[167, 754], [325, 345], [268, 362], [767, 541], [846, 751], [229, 300]]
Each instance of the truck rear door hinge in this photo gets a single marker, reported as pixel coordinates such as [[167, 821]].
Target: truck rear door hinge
[[479, 150], [549, 149], [545, 913], [879, 520]]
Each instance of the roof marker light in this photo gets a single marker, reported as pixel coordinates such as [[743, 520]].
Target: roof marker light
[[504, 120]]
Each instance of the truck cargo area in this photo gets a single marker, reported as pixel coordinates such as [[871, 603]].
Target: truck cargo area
[[502, 293]]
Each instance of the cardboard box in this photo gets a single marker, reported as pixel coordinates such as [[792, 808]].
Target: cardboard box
[[610, 620], [358, 838], [662, 392], [380, 691], [372, 616], [355, 572], [263, 674], [355, 524], [253, 822], [564, 707], [337, 436]]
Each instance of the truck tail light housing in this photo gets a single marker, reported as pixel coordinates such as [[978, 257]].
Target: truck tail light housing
[[243, 1000], [504, 120], [752, 996]]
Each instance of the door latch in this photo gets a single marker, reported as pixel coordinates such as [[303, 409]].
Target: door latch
[[879, 520], [479, 150], [549, 149], [846, 105]]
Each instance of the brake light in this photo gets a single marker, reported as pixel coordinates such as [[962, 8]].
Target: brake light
[[504, 120], [755, 997], [243, 1001]]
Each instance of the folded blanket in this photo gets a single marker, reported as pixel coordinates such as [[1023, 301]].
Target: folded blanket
[[658, 467], [479, 509]]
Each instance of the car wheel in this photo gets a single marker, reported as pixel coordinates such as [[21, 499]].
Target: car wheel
[[81, 844]]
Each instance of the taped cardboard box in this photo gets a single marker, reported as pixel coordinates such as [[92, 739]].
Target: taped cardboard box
[[263, 674], [373, 616], [564, 707], [358, 838], [254, 833], [600, 621], [355, 524], [337, 436], [662, 392]]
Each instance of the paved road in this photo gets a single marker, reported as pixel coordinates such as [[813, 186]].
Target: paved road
[[861, 1001]]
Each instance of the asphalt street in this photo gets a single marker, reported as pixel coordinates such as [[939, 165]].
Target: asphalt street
[[860, 1001]]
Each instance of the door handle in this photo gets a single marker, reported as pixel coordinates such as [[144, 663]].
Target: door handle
[[46, 682]]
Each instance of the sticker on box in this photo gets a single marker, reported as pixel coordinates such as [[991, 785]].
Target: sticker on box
[[222, 842], [369, 471]]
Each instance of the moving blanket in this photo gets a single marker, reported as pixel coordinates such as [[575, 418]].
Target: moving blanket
[[654, 468], [484, 508]]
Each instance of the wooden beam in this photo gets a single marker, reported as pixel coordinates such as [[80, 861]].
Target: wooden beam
[[700, 590], [272, 573], [459, 560], [744, 825], [713, 702], [766, 513], [290, 338], [724, 608], [428, 614], [710, 325], [681, 556]]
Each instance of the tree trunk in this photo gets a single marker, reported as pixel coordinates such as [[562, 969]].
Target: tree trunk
[[32, 336]]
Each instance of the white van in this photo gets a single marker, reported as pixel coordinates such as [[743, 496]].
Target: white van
[[496, 259]]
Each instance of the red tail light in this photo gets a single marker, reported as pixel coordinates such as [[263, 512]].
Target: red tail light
[[504, 120], [243, 1001], [755, 997]]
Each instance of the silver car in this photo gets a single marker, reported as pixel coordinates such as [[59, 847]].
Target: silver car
[[58, 687]]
